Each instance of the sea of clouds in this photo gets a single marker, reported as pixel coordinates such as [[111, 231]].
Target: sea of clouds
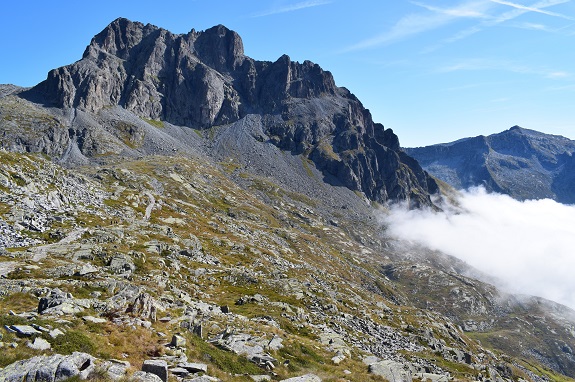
[[529, 245]]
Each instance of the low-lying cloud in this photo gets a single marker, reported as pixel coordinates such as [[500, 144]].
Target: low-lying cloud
[[528, 245]]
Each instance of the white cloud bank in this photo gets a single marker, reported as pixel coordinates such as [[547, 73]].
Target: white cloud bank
[[529, 245]]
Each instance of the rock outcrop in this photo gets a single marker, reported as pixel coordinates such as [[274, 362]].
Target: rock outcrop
[[52, 368], [203, 79]]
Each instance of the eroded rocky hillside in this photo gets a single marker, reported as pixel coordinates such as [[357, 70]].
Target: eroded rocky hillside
[[178, 260]]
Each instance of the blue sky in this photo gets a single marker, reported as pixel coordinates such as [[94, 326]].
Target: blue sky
[[432, 70]]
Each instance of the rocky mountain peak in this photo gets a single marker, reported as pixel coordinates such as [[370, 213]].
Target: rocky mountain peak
[[119, 38], [203, 79], [220, 48]]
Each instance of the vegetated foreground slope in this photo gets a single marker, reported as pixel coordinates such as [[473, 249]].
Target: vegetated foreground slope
[[523, 163], [242, 268]]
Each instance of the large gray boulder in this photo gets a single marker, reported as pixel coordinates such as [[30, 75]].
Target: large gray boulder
[[144, 306], [158, 367], [391, 370], [116, 370], [143, 376], [52, 368], [61, 303]]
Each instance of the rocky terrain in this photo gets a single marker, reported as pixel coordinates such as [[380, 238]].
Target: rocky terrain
[[523, 163], [233, 235]]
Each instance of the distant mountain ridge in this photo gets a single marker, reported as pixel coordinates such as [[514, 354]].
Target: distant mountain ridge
[[203, 80], [526, 164]]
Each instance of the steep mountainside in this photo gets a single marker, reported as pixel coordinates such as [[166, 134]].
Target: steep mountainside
[[203, 79], [523, 163], [173, 210]]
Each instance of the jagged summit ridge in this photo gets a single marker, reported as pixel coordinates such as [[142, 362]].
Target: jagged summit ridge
[[152, 73], [203, 79], [199, 79]]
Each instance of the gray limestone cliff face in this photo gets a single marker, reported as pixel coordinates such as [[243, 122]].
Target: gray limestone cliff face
[[203, 79]]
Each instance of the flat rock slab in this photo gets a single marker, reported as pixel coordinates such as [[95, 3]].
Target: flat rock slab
[[260, 378], [371, 359], [25, 330], [303, 378], [95, 320], [194, 367], [179, 371], [55, 333], [39, 344], [431, 377], [7, 267]]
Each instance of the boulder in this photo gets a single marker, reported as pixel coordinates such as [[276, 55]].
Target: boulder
[[116, 370], [144, 306], [39, 344], [390, 370], [338, 358], [194, 367], [142, 376], [178, 341], [121, 264], [157, 367], [52, 368], [275, 343], [59, 303]]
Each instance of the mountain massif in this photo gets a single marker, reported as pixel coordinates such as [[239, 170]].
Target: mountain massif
[[173, 210], [203, 79], [523, 163]]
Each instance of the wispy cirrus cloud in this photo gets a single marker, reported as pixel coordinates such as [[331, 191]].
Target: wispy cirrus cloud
[[473, 10], [533, 26], [292, 7], [487, 12], [417, 23], [503, 65], [538, 7], [408, 26], [507, 16]]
